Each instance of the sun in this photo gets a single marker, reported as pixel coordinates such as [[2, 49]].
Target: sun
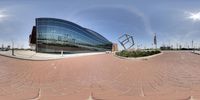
[[1, 15], [194, 16]]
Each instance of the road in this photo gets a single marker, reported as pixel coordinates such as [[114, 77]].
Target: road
[[170, 76]]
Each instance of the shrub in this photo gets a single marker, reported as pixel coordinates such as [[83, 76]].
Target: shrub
[[137, 53]]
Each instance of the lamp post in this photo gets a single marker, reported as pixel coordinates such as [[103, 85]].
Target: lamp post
[[192, 44], [62, 53], [13, 53]]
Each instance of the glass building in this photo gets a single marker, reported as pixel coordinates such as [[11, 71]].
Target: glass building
[[52, 35]]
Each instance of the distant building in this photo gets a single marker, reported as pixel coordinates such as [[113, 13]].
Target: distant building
[[114, 47], [166, 48], [52, 35]]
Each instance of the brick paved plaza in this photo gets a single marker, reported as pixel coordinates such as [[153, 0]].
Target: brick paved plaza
[[169, 76]]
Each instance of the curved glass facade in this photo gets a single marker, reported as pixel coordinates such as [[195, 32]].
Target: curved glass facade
[[56, 35]]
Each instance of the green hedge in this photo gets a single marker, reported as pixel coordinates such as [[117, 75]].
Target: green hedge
[[138, 53]]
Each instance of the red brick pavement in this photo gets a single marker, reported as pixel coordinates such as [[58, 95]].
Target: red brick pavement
[[170, 76]]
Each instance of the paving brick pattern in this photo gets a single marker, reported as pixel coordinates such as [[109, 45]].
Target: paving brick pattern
[[170, 76]]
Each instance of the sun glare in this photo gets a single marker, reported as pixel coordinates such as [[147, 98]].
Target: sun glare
[[194, 16], [1, 16]]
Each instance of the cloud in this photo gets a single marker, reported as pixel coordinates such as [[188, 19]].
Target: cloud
[[3, 15]]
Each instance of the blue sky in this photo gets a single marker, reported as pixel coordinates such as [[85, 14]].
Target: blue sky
[[174, 21]]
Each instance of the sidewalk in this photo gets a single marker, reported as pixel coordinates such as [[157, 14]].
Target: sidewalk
[[197, 52], [32, 55]]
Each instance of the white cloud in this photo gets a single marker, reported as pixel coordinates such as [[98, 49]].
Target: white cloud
[[2, 15]]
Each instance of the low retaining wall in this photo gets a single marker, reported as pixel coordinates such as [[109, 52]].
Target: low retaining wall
[[139, 58]]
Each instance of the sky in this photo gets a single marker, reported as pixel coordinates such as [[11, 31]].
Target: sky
[[176, 22]]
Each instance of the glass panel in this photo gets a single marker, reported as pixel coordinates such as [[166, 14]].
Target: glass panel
[[54, 35]]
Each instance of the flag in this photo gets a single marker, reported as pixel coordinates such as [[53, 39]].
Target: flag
[[155, 40]]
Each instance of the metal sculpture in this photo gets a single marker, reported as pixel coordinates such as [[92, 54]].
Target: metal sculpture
[[126, 41]]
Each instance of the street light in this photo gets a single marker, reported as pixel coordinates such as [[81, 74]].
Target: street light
[[13, 54]]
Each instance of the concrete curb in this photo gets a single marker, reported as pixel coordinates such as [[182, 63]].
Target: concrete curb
[[139, 58], [195, 53], [48, 59], [20, 58]]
